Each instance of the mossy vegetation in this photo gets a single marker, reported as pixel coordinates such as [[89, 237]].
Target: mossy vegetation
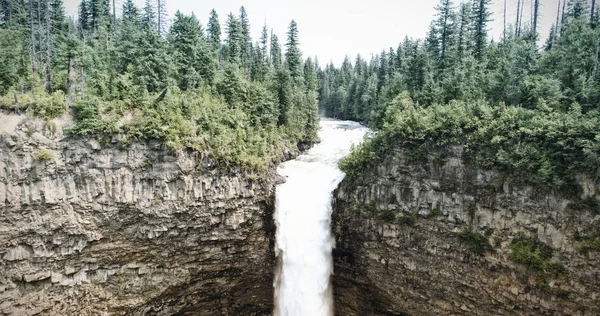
[[477, 243], [436, 212], [537, 257], [587, 204], [407, 219], [589, 242], [43, 155]]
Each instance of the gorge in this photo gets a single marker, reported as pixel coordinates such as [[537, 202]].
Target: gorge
[[154, 164]]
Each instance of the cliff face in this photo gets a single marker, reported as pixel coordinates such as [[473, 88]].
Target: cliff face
[[86, 230], [419, 263]]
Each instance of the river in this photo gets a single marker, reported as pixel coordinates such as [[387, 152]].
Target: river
[[303, 214]]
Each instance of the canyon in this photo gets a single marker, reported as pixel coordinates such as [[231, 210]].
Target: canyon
[[406, 231], [92, 229], [89, 228]]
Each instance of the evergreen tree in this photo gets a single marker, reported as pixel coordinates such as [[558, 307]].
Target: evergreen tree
[[149, 19], [264, 38], [464, 33], [292, 55], [245, 40], [235, 39], [214, 30], [191, 54], [276, 57], [481, 16], [445, 27]]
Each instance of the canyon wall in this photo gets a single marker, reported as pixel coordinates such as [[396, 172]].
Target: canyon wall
[[442, 237], [90, 229]]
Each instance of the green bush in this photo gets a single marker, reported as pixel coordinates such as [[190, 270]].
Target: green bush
[[407, 220], [436, 212], [43, 155], [540, 147], [589, 203], [535, 255], [476, 242]]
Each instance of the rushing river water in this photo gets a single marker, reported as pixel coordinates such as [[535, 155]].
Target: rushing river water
[[303, 215]]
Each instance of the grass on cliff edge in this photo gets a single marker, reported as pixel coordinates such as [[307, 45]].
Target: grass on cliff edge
[[542, 147]]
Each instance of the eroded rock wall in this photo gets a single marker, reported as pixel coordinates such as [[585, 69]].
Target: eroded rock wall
[[96, 230], [386, 266]]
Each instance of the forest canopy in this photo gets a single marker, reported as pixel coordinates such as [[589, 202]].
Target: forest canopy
[[131, 76], [531, 111]]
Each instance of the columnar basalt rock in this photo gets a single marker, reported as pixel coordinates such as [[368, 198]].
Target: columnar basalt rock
[[385, 264], [87, 229]]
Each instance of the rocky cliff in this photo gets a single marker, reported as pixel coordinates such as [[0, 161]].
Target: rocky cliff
[[442, 237], [87, 229]]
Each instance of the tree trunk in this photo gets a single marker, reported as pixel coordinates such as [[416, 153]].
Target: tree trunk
[[48, 49], [518, 23], [114, 16], [32, 40], [535, 19], [71, 82], [39, 29], [9, 12], [595, 70], [593, 13], [557, 26], [504, 33], [562, 18], [159, 17]]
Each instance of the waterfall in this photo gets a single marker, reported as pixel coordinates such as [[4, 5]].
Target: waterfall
[[303, 215]]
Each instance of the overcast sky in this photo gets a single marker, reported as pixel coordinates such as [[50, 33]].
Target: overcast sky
[[331, 29]]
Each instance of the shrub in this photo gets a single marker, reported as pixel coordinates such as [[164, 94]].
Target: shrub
[[543, 148], [589, 203], [42, 155], [476, 242], [407, 220], [535, 255]]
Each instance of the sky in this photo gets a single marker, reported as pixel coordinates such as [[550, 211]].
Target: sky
[[332, 29]]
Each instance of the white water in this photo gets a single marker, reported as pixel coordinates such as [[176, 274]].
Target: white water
[[303, 215]]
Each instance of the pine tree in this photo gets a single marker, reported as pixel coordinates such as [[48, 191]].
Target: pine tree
[[246, 40], [161, 16], [130, 13], [264, 38], [481, 16], [292, 55], [192, 58], [214, 30], [535, 19], [57, 15], [463, 30], [85, 23], [149, 17], [445, 27], [48, 83], [276, 58], [235, 38]]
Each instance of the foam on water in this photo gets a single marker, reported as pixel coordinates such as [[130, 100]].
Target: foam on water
[[303, 216]]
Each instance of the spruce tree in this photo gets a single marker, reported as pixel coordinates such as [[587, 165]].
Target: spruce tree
[[235, 39], [264, 38], [445, 26], [245, 40], [214, 30], [276, 58], [481, 16], [292, 55]]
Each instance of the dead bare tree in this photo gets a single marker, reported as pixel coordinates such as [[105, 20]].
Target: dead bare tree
[[32, 44], [48, 49]]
